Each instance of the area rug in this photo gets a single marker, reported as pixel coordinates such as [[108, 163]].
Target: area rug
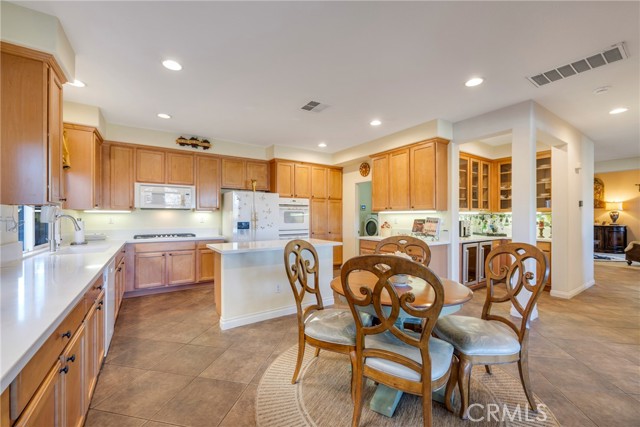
[[605, 257], [322, 398]]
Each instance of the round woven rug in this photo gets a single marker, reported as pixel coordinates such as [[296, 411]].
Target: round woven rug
[[322, 398]]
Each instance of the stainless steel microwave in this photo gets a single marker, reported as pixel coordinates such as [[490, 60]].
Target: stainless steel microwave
[[158, 196]]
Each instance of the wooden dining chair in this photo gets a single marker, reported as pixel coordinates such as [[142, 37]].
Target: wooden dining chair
[[329, 329], [494, 338], [416, 248], [415, 363]]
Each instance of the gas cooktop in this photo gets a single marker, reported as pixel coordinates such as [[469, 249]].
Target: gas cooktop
[[169, 235]]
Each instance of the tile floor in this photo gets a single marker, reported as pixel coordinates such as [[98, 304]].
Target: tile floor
[[169, 363]]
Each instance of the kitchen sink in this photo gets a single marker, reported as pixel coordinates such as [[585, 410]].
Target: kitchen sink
[[82, 249]]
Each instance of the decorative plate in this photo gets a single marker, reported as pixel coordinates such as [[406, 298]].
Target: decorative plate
[[365, 169]]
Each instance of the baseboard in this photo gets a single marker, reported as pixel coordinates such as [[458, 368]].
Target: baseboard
[[264, 315], [573, 293]]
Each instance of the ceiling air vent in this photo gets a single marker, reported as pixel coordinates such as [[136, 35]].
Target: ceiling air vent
[[314, 106], [612, 54]]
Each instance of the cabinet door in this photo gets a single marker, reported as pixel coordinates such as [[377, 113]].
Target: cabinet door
[[335, 184], [181, 267], [233, 173], [319, 182], [258, 171], [380, 183], [121, 275], [204, 267], [485, 186], [56, 178], [179, 168], [399, 180], [150, 270], [121, 177], [97, 172], [91, 366], [423, 176], [302, 181], [44, 409], [474, 184], [319, 222], [207, 182], [463, 189], [83, 180], [73, 379], [284, 178], [334, 226], [100, 331], [504, 181], [150, 166]]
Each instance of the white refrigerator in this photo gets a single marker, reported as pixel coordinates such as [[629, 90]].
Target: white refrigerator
[[249, 216]]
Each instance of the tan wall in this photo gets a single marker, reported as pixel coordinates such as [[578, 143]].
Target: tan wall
[[621, 187]]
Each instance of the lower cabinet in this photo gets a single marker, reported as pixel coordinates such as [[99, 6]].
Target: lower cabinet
[[204, 263], [55, 387], [610, 238], [472, 263], [120, 279], [546, 248]]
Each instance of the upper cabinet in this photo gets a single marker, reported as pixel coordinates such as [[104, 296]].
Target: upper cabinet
[[83, 177], [180, 168], [504, 184], [302, 181], [319, 182], [238, 173], [120, 177], [158, 166], [543, 181], [411, 178], [335, 184], [475, 186], [306, 180], [207, 182], [31, 102]]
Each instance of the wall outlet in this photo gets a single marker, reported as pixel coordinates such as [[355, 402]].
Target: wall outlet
[[278, 288]]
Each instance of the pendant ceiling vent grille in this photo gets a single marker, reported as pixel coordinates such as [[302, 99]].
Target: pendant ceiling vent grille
[[314, 106], [614, 53]]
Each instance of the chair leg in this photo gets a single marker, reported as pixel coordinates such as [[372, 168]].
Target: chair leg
[[523, 367], [301, 345], [488, 369], [464, 385], [357, 401], [352, 356], [426, 406], [317, 351], [451, 384]]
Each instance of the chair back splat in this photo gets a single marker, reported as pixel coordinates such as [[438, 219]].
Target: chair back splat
[[508, 271], [417, 249], [301, 262]]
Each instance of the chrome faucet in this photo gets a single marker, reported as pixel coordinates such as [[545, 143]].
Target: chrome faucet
[[53, 244]]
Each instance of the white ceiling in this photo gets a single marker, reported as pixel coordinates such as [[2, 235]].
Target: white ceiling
[[250, 66]]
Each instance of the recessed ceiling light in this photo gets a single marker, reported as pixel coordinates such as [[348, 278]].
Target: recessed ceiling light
[[375, 122], [77, 83], [172, 65], [322, 145], [618, 110], [474, 82], [164, 116]]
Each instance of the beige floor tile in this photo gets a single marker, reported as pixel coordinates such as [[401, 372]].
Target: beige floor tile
[[156, 424], [243, 413], [606, 408], [189, 360], [106, 419], [145, 396], [143, 353], [243, 365], [214, 337], [111, 379], [183, 332], [203, 403]]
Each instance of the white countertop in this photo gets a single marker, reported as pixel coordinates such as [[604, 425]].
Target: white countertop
[[429, 241], [38, 292], [173, 239], [262, 246], [472, 239]]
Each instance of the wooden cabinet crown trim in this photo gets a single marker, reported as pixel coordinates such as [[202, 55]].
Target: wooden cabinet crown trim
[[26, 52], [276, 160], [413, 144], [68, 125]]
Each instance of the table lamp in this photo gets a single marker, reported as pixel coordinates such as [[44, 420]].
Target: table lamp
[[614, 210]]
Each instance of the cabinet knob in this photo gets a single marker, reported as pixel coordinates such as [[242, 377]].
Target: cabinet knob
[[119, 268], [99, 307], [72, 358], [67, 334], [98, 287], [63, 200], [64, 370]]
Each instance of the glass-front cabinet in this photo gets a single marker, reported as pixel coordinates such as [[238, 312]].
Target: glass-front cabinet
[[474, 185], [504, 182], [485, 186], [543, 181], [463, 197]]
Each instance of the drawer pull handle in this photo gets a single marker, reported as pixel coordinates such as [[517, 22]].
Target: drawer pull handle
[[98, 287], [99, 307], [101, 302], [67, 334], [72, 358], [64, 370], [119, 269]]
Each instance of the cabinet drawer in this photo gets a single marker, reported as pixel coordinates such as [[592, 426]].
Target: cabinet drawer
[[203, 245], [93, 292], [368, 246], [164, 247], [32, 375]]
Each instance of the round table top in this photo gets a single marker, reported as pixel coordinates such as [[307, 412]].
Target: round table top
[[454, 293]]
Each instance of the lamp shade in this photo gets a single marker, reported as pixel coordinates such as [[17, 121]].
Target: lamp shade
[[614, 206]]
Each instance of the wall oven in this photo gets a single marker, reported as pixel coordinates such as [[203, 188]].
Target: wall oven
[[294, 218]]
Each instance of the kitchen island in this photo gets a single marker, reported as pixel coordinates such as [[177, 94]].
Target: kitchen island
[[251, 284]]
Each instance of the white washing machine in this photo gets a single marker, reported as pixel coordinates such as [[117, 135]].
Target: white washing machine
[[371, 225]]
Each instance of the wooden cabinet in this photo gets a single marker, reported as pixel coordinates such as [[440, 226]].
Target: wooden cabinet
[[31, 135], [121, 177], [302, 181], [546, 248], [72, 371], [83, 180], [282, 178], [543, 181], [319, 182], [204, 263], [411, 177], [44, 409], [610, 238], [120, 280], [334, 228], [463, 177], [181, 267], [335, 184], [207, 183], [238, 173], [319, 218], [504, 183], [476, 182], [180, 169], [150, 165], [150, 270]]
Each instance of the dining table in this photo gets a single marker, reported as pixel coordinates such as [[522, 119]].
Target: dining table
[[386, 399]]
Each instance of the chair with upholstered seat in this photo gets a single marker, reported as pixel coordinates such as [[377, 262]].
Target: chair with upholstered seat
[[412, 362], [417, 249], [493, 338], [328, 329]]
